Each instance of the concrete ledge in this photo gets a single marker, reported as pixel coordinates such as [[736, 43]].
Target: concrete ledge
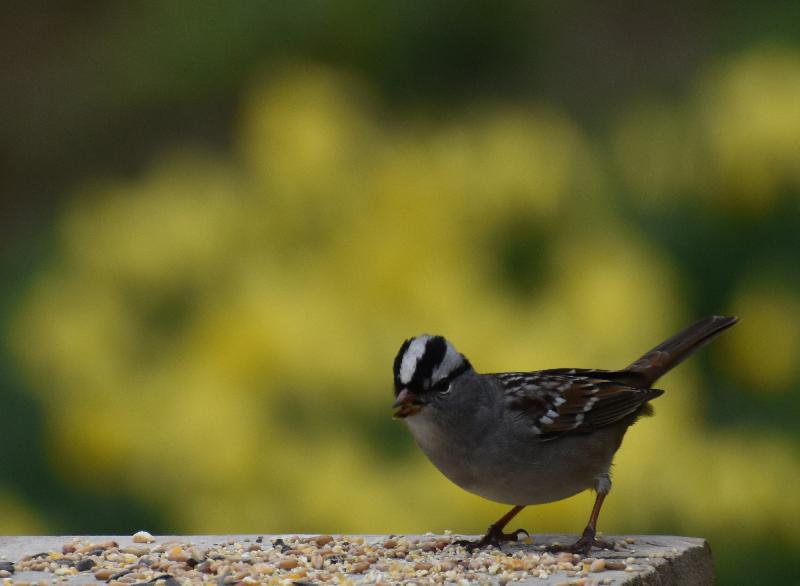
[[308, 559]]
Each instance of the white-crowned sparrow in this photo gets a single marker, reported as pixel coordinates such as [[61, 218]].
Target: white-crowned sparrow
[[525, 438]]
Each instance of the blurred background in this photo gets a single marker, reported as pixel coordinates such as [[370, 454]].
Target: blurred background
[[220, 220]]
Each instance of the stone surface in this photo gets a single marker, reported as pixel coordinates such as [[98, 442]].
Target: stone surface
[[657, 560]]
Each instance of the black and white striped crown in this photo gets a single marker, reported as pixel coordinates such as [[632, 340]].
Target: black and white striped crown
[[427, 362]]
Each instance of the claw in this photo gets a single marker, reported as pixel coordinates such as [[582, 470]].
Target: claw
[[583, 546], [494, 536]]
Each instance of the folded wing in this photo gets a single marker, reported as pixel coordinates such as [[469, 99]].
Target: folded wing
[[568, 401]]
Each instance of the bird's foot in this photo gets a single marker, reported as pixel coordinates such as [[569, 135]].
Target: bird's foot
[[583, 546], [494, 536]]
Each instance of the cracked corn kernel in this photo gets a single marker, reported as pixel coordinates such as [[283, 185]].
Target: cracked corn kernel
[[597, 565], [143, 537], [104, 573], [288, 563], [176, 554]]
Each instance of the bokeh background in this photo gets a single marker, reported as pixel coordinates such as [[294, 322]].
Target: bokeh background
[[220, 220]]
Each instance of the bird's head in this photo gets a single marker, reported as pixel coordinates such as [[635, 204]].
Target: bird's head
[[424, 369]]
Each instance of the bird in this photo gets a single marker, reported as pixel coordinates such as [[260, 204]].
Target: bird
[[527, 438]]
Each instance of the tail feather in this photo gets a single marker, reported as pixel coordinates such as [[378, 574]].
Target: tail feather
[[668, 354]]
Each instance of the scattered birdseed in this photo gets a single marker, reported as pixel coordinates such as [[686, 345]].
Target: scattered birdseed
[[304, 560]]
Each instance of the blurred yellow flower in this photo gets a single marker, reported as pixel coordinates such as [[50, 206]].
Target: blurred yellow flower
[[751, 118], [734, 141], [219, 333]]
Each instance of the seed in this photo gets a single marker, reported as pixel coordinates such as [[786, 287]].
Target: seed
[[135, 550], [323, 540], [597, 566], [143, 537], [104, 573], [85, 564], [197, 555], [207, 567], [614, 565], [294, 552], [390, 543], [422, 566], [177, 554], [288, 563], [119, 575], [360, 567]]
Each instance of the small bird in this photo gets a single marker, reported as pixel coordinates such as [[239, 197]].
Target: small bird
[[526, 438]]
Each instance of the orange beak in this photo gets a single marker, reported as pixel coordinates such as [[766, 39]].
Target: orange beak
[[407, 404]]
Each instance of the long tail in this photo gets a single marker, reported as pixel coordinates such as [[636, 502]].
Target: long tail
[[668, 354]]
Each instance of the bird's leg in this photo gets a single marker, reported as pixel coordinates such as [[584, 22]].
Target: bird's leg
[[587, 540], [494, 535]]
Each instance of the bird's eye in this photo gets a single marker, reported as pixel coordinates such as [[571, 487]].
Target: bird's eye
[[442, 387]]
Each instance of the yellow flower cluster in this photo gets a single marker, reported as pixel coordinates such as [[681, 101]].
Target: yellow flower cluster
[[216, 336]]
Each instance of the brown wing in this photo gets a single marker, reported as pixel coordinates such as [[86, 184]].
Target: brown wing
[[571, 401]]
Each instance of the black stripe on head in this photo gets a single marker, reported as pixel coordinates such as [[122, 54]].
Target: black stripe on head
[[398, 360], [443, 384], [435, 349]]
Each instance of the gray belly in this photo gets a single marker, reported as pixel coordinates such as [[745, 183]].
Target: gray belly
[[517, 468]]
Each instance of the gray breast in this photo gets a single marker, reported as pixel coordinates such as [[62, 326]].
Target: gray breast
[[483, 449]]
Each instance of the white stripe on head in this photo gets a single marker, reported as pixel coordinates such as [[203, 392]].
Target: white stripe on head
[[413, 353], [451, 361]]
